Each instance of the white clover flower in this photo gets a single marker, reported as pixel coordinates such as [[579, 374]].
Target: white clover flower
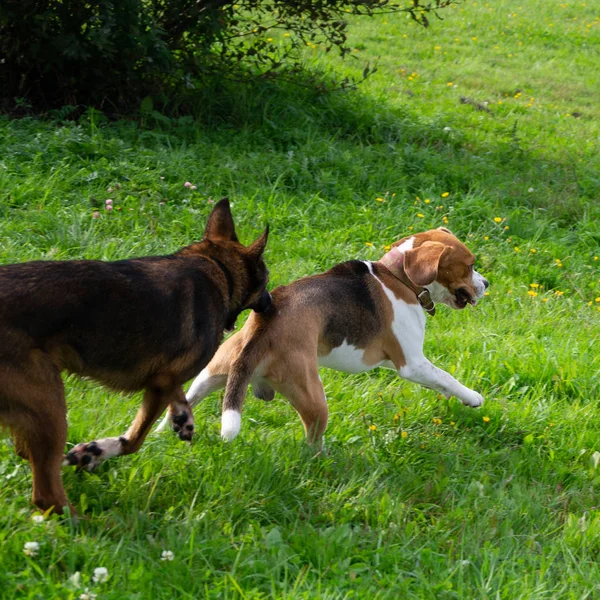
[[75, 579], [100, 574], [530, 190], [31, 548], [38, 519], [167, 555], [87, 595]]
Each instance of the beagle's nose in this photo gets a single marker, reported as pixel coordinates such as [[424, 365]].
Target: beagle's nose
[[486, 283]]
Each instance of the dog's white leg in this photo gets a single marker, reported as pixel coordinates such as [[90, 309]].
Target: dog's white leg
[[428, 375], [202, 386], [89, 456]]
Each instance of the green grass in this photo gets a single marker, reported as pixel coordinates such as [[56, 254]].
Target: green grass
[[468, 507]]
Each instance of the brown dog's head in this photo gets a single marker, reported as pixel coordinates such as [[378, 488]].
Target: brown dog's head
[[438, 261], [243, 267]]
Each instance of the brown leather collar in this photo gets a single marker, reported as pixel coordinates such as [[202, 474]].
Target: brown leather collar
[[422, 294]]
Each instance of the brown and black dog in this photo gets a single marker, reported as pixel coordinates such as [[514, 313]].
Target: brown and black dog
[[147, 324]]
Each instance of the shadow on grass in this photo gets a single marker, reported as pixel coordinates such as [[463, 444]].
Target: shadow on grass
[[281, 118]]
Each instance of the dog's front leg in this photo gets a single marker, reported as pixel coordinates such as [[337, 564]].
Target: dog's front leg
[[89, 455], [424, 373]]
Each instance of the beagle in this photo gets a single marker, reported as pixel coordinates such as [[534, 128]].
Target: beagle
[[357, 316]]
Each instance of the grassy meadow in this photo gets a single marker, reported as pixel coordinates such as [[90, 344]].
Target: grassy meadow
[[417, 496]]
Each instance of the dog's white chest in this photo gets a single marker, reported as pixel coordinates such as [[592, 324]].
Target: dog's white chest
[[407, 326]]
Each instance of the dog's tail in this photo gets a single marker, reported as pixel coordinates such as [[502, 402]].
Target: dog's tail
[[240, 374]]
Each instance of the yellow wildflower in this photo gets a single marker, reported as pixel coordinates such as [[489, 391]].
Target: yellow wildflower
[[498, 219], [486, 419], [372, 427], [445, 194], [532, 293], [368, 244], [404, 434], [420, 215]]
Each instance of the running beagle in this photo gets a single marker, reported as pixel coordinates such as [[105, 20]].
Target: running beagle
[[357, 316]]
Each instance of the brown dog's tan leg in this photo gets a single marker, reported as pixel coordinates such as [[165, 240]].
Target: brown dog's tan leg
[[90, 455], [37, 418], [46, 444]]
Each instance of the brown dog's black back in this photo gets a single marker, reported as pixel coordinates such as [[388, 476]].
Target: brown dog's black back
[[102, 319]]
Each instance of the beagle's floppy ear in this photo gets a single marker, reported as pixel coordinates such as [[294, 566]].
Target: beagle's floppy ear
[[445, 229], [257, 247], [220, 225], [421, 264]]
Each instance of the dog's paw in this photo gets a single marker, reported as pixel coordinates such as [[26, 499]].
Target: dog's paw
[[89, 455], [183, 424], [474, 399]]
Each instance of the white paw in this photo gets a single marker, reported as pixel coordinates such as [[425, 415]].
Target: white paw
[[231, 421], [473, 399]]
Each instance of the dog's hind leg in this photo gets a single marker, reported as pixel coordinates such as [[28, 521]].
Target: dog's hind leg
[[156, 399], [302, 386], [33, 407]]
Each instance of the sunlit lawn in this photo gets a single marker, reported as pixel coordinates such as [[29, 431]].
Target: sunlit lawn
[[417, 497]]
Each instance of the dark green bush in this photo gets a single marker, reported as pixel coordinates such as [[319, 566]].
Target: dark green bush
[[111, 53]]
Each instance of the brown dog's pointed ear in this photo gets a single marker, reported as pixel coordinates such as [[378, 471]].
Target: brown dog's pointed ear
[[421, 264], [220, 223], [256, 248]]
